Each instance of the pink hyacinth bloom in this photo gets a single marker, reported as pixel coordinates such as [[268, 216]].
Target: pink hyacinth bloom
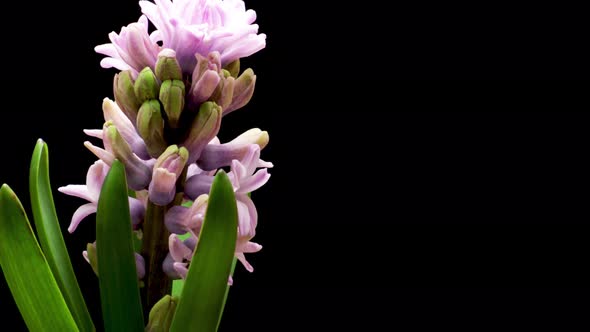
[[91, 192], [188, 27], [203, 26], [133, 48], [245, 179]]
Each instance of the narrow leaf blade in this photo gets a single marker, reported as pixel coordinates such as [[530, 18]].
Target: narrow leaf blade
[[27, 272], [119, 289], [51, 239], [204, 290], [227, 287]]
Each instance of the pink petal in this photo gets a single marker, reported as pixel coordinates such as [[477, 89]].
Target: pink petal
[[102, 154], [107, 49], [264, 164], [95, 177], [168, 267], [249, 247], [254, 182], [162, 187], [176, 219], [114, 63], [181, 269], [197, 185], [242, 258], [251, 158], [78, 190], [81, 213], [178, 250], [251, 210], [244, 223], [93, 133], [85, 255]]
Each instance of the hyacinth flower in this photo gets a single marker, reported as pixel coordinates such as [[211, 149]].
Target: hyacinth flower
[[181, 220], [170, 222], [188, 27], [91, 191]]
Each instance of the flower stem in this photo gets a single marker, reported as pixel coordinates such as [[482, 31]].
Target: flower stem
[[154, 249]]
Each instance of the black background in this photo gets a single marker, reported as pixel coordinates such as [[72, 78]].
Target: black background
[[430, 168]]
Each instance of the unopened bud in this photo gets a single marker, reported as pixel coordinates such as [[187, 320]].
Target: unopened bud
[[161, 315], [150, 126], [90, 256], [167, 67], [206, 77], [125, 94], [113, 113], [167, 170], [138, 173], [146, 85], [205, 127], [233, 68], [243, 91], [223, 94], [172, 98]]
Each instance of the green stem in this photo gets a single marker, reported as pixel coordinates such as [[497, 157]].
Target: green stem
[[154, 249]]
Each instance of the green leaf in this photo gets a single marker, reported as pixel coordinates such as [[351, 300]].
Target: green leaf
[[202, 297], [51, 239], [119, 289], [27, 273], [227, 287]]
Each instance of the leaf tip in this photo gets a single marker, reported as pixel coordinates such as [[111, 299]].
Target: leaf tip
[[6, 190]]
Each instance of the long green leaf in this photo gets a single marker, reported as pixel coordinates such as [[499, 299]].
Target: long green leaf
[[27, 273], [203, 293], [119, 289], [233, 267], [51, 239]]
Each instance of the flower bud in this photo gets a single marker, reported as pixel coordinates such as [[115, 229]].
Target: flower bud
[[113, 113], [205, 127], [223, 94], [125, 94], [146, 85], [167, 169], [161, 315], [233, 68], [90, 256], [167, 67], [243, 91], [172, 98], [138, 173], [150, 126]]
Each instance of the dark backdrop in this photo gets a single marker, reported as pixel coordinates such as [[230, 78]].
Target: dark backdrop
[[430, 166]]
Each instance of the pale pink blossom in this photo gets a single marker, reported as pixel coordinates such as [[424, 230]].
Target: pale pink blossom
[[188, 27], [91, 192]]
